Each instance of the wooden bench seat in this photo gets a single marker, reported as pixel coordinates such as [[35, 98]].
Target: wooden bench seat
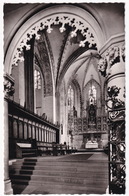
[[25, 149], [51, 148], [44, 148]]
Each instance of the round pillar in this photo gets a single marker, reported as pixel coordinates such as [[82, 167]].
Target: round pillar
[[8, 91], [112, 66]]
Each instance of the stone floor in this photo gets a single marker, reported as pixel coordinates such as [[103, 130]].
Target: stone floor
[[79, 173]]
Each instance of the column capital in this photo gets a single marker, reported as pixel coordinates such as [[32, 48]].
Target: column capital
[[111, 65], [112, 61], [8, 86]]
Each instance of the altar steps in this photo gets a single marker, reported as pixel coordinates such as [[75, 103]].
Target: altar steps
[[70, 174]]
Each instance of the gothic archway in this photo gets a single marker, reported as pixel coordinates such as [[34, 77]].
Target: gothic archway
[[72, 22]]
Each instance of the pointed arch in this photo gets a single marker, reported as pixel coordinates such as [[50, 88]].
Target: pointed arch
[[42, 18], [85, 93]]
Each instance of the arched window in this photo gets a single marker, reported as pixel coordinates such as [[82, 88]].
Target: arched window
[[92, 95], [70, 98], [37, 79], [38, 91]]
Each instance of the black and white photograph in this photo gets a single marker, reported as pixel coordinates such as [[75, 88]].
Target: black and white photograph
[[64, 98]]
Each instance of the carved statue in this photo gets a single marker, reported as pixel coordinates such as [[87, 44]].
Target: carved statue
[[102, 66], [74, 112], [92, 114], [8, 88]]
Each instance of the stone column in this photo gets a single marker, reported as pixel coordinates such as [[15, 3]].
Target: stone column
[[112, 66], [8, 91], [29, 77]]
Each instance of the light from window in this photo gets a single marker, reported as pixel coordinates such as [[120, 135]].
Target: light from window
[[92, 95], [70, 98], [37, 79]]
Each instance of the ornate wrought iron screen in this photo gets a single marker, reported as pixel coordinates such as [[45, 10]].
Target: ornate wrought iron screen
[[117, 151]]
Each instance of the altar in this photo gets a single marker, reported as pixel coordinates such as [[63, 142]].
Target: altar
[[90, 144]]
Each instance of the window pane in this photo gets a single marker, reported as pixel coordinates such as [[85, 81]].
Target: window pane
[[70, 98], [37, 79]]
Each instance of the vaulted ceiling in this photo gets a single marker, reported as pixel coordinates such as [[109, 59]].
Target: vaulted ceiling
[[69, 60], [73, 35]]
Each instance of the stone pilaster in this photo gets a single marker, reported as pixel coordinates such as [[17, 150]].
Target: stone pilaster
[[8, 91]]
